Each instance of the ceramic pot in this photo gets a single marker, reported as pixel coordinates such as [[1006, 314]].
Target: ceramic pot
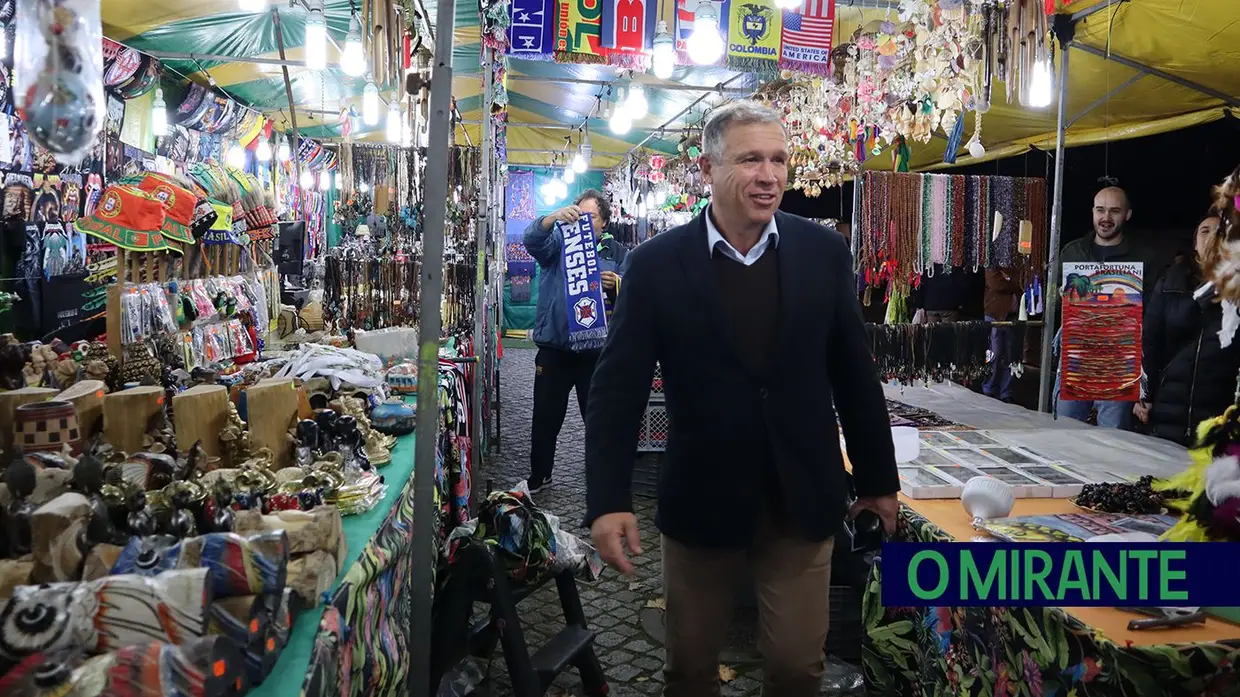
[[48, 425]]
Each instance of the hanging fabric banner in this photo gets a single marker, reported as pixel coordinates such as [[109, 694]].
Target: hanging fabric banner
[[531, 31], [628, 32], [807, 35], [1100, 356], [578, 32], [754, 31], [521, 212], [583, 286], [684, 29]]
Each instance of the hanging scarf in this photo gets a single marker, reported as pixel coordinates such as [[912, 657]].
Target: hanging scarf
[[806, 37], [578, 31], [628, 32], [754, 31], [531, 33], [584, 298]]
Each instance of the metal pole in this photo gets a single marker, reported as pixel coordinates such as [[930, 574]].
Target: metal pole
[[1228, 99], [651, 85], [484, 238], [684, 111], [1054, 271], [425, 513], [288, 92]]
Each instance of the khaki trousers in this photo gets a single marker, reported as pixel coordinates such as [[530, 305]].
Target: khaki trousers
[[792, 582]]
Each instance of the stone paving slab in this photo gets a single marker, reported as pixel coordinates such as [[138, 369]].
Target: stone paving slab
[[622, 610]]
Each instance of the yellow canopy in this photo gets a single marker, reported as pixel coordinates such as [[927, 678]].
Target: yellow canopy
[[1193, 40]]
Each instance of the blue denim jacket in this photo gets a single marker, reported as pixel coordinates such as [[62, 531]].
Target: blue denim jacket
[[551, 317]]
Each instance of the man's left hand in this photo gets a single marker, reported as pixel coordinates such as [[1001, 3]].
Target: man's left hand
[[886, 507], [609, 280]]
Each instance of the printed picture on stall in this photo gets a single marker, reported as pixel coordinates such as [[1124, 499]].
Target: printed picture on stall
[[64, 251], [1100, 352]]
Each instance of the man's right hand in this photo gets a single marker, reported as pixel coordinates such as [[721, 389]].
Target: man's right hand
[[612, 534], [567, 214], [1142, 411]]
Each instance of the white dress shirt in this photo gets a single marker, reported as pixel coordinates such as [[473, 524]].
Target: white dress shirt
[[769, 238]]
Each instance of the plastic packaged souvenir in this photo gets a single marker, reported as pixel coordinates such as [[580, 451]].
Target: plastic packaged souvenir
[[58, 75]]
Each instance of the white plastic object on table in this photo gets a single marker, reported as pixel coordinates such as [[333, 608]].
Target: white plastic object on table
[[985, 498]]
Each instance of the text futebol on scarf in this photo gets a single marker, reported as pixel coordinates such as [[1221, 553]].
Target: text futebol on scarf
[[583, 286]]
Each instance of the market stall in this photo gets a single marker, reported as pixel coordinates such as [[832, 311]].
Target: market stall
[[990, 650]]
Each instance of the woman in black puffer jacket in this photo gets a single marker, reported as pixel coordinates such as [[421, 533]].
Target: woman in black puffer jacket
[[1191, 377]]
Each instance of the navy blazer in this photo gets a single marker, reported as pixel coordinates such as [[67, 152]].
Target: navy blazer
[[722, 416]]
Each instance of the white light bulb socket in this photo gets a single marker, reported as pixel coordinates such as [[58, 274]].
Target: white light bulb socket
[[353, 56], [316, 40], [370, 103], [393, 121]]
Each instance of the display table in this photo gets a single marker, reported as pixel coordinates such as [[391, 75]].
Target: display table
[[1035, 651], [365, 547], [992, 650]]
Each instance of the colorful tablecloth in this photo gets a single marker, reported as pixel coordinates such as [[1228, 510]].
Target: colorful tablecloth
[[1027, 652], [364, 534]]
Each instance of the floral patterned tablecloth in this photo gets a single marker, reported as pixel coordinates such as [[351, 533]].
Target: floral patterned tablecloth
[[1022, 652]]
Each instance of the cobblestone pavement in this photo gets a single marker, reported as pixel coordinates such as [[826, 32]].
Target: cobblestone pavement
[[625, 612]]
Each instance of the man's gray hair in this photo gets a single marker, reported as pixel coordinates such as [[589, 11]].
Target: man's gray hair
[[741, 112]]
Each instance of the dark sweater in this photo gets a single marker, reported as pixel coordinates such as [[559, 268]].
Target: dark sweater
[[750, 299]]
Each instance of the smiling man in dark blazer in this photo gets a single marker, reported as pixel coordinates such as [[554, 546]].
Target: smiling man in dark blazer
[[753, 317]]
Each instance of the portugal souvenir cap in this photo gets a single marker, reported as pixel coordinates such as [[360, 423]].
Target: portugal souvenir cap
[[128, 218], [178, 204]]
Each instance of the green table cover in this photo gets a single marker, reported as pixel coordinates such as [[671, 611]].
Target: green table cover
[[290, 670]]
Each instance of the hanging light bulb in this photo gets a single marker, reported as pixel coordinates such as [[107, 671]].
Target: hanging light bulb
[[569, 175], [316, 40], [620, 121], [352, 57], [236, 156], [393, 120], [705, 45], [252, 5], [159, 113], [370, 103], [325, 181], [263, 152], [788, 4], [1041, 85], [284, 153], [339, 181], [307, 179], [579, 163], [663, 55], [560, 188], [637, 106], [363, 187]]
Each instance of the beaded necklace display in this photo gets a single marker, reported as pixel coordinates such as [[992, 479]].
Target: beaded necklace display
[[912, 222]]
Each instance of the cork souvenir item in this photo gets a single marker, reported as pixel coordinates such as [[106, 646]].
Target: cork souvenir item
[[87, 399], [271, 406], [200, 415], [126, 415], [47, 426]]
